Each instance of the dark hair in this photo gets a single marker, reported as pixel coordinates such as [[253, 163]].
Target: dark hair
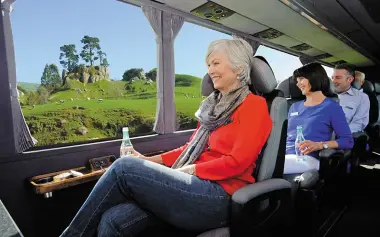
[[317, 76], [350, 70]]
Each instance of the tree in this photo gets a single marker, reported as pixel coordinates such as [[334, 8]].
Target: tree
[[68, 57], [101, 56], [133, 72], [22, 89], [43, 94], [90, 49], [105, 63], [51, 78], [32, 98], [152, 74]]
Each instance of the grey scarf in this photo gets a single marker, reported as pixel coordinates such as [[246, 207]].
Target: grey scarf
[[213, 112]]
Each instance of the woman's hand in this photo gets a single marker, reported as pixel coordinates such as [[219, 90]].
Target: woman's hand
[[189, 169], [307, 147]]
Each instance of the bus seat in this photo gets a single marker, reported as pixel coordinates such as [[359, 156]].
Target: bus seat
[[369, 89], [308, 186], [377, 91], [284, 87], [376, 129], [257, 206]]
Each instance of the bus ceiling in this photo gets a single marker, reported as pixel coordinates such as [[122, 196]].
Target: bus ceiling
[[331, 32]]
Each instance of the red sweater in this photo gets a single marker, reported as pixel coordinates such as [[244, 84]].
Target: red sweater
[[232, 150]]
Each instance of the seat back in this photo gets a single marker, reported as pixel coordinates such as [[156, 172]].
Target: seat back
[[292, 92], [369, 89], [270, 163], [263, 82], [377, 91], [285, 87]]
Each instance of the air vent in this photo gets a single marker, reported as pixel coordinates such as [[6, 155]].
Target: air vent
[[323, 56], [373, 9], [268, 34], [301, 47], [212, 11]]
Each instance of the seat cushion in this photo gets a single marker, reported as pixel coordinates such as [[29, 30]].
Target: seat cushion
[[220, 232]]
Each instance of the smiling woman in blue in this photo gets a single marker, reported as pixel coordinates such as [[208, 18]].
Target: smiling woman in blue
[[319, 117]]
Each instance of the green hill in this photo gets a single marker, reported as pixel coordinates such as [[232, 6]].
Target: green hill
[[29, 86], [104, 107]]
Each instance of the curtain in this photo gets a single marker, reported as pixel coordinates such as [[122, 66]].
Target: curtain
[[166, 27], [22, 138]]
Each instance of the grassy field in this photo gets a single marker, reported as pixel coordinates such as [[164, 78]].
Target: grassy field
[[101, 109]]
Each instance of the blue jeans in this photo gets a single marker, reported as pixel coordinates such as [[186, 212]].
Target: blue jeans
[[134, 194]]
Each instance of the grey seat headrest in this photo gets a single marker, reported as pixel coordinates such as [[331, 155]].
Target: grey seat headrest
[[207, 87], [368, 87], [262, 76], [377, 87], [290, 89], [284, 87], [290, 86]]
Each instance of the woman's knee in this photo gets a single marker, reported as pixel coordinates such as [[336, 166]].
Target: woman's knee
[[125, 164], [125, 218]]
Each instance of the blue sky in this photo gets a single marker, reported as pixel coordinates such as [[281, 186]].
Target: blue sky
[[41, 27]]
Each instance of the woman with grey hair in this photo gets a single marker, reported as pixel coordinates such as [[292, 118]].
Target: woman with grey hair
[[189, 187]]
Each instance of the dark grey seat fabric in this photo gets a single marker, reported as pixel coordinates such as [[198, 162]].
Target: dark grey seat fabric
[[377, 91], [369, 89], [269, 169], [373, 127], [284, 86]]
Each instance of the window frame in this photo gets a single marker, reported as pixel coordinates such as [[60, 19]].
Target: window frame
[[188, 18]]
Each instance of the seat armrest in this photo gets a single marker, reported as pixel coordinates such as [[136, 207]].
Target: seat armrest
[[360, 135], [338, 155], [331, 159], [329, 153], [260, 190], [257, 206]]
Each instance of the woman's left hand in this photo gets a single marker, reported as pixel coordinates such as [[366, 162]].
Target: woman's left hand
[[189, 169], [307, 147]]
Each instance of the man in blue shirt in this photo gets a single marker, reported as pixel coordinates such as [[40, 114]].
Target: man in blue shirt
[[355, 103]]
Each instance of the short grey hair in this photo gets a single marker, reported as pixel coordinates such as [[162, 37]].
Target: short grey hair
[[239, 53], [361, 75]]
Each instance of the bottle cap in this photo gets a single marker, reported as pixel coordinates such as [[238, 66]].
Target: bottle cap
[[125, 129]]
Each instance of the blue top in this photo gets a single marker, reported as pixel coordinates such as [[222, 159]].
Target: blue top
[[318, 123]]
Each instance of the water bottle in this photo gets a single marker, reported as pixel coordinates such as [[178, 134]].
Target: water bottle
[[126, 148], [300, 138]]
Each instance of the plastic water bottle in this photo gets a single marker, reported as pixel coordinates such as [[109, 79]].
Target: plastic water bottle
[[300, 138], [126, 148]]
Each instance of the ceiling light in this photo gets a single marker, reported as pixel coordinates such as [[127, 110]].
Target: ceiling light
[[208, 15], [212, 11]]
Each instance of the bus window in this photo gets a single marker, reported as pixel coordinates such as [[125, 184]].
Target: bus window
[[82, 76], [282, 64], [190, 48]]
